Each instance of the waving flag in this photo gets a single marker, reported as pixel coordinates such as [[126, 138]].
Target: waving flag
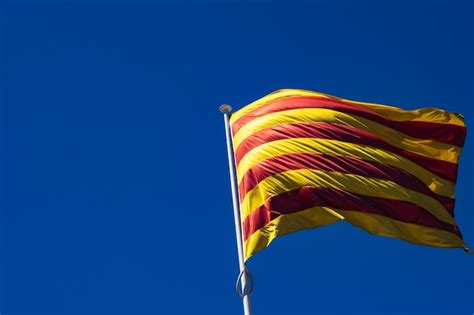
[[306, 159]]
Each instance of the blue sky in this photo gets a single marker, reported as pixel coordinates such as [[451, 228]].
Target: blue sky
[[115, 195]]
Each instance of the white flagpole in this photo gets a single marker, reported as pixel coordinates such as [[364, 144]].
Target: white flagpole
[[244, 276]]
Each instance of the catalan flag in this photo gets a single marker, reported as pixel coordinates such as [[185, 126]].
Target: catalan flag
[[306, 159]]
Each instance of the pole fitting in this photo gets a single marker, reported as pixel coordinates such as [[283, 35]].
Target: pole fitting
[[248, 288], [225, 108]]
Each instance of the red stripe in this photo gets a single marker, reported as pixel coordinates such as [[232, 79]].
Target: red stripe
[[447, 133], [344, 133], [340, 164], [308, 197]]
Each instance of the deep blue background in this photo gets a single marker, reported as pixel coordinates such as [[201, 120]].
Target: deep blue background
[[114, 183]]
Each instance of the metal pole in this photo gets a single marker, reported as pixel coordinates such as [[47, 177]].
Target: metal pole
[[245, 281]]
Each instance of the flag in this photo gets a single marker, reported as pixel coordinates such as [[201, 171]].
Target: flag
[[306, 159]]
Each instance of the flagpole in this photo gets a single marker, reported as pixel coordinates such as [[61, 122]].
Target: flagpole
[[244, 278]]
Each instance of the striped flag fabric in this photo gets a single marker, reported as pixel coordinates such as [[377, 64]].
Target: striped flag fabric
[[306, 159]]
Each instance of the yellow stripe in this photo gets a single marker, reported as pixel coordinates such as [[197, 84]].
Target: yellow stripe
[[432, 115], [285, 224], [428, 148], [371, 187], [271, 98], [372, 223], [338, 148]]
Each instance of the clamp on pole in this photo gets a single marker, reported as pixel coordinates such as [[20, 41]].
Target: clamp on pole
[[247, 289]]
